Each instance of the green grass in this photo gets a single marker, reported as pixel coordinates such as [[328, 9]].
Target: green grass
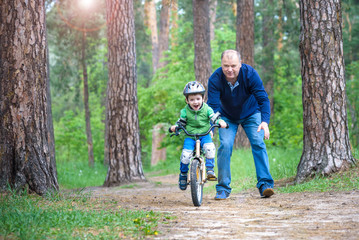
[[282, 162], [344, 181], [77, 174], [283, 167], [75, 216], [64, 215]]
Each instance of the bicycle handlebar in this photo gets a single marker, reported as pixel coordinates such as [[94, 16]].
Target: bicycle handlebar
[[197, 135]]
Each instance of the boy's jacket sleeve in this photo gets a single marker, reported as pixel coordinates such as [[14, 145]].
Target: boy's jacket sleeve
[[183, 117]]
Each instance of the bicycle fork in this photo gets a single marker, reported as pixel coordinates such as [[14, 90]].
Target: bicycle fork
[[201, 160]]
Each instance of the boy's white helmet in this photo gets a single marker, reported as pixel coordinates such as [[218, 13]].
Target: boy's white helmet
[[193, 88]]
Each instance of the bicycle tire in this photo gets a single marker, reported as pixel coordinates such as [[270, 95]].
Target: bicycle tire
[[196, 182]]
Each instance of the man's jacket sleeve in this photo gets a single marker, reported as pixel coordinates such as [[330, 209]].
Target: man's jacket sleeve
[[214, 94], [261, 96]]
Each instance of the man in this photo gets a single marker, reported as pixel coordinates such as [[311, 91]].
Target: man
[[237, 92]]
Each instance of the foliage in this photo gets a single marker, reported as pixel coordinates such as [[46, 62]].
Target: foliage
[[143, 48], [352, 90], [287, 121], [75, 216], [350, 9], [70, 136], [225, 39]]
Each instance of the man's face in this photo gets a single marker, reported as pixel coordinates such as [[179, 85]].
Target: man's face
[[231, 66], [195, 101]]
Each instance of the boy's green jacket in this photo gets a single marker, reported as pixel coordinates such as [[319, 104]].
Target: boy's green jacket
[[197, 122]]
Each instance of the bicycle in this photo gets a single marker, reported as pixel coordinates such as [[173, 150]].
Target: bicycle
[[197, 176]]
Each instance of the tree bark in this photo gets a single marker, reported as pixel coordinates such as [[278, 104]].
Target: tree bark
[[123, 127], [245, 45], [86, 103], [326, 147], [212, 17], [268, 43], [174, 23], [158, 153], [245, 30], [280, 26], [27, 157], [151, 23], [202, 42], [164, 32]]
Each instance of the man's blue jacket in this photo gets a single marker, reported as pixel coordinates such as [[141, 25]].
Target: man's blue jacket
[[247, 98]]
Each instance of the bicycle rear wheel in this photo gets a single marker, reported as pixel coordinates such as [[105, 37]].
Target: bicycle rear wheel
[[196, 182]]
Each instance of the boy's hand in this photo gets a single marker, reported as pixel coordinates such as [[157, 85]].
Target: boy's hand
[[173, 128], [222, 123], [211, 134]]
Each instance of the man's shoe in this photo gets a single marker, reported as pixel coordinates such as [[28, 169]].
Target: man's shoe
[[182, 182], [211, 176], [266, 191], [221, 195]]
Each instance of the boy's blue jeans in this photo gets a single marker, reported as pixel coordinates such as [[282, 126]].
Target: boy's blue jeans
[[190, 144], [259, 151]]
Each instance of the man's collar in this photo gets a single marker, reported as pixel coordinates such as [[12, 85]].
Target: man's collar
[[233, 86]]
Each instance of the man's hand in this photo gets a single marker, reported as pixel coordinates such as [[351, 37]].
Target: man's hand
[[222, 123], [264, 126]]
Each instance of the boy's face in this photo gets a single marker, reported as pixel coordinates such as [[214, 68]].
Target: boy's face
[[195, 101]]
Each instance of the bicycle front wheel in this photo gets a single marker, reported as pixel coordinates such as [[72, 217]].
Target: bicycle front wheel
[[196, 182]]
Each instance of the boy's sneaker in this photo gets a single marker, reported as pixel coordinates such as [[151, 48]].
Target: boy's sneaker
[[221, 195], [182, 182], [266, 191], [211, 176]]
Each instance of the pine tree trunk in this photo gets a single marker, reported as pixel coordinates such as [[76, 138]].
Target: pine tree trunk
[[245, 45], [326, 147], [268, 44], [91, 160], [202, 43], [27, 157], [212, 17], [158, 153], [164, 32], [123, 128], [280, 25], [245, 30], [174, 23], [151, 23]]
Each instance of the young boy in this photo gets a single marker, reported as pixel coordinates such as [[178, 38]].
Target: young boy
[[197, 117]]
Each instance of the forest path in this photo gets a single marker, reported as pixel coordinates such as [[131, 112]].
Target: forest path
[[329, 215]]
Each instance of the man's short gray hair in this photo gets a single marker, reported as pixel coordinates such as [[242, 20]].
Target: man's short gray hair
[[230, 51]]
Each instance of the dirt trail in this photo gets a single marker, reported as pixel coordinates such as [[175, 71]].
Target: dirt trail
[[331, 215]]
